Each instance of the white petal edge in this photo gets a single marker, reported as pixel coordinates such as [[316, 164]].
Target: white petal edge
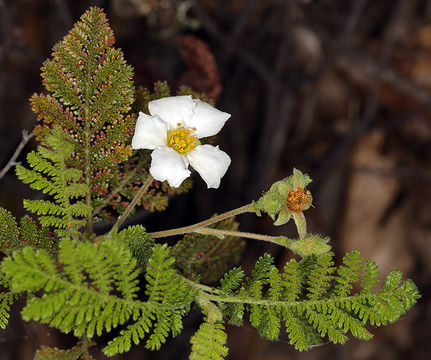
[[167, 164], [207, 120], [173, 110], [210, 162], [150, 132]]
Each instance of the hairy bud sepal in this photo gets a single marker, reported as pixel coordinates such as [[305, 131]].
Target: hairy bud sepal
[[285, 199], [310, 245]]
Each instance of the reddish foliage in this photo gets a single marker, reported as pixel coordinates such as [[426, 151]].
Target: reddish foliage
[[203, 75]]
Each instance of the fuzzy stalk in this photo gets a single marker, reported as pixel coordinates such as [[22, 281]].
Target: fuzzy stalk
[[131, 206], [248, 235], [202, 224]]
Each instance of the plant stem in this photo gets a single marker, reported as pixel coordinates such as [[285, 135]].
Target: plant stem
[[198, 286], [141, 192], [210, 231], [25, 138], [199, 225], [85, 344]]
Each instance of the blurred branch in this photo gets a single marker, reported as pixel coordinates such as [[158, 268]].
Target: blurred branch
[[371, 105], [360, 66], [342, 42], [249, 59], [12, 162]]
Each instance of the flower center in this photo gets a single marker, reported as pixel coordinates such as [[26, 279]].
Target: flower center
[[182, 139], [298, 199]]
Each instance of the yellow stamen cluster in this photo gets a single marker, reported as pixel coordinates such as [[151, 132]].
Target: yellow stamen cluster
[[182, 139], [297, 199]]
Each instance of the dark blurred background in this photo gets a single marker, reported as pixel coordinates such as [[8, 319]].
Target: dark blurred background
[[338, 89]]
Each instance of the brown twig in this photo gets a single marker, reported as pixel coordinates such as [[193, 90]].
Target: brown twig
[[12, 162]]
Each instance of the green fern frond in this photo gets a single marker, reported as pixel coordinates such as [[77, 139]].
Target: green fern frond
[[69, 301], [292, 285], [6, 300], [169, 299], [208, 256], [348, 273], [262, 270], [209, 342], [94, 288], [9, 232], [91, 92], [231, 280], [139, 243], [314, 299], [371, 272], [320, 277], [49, 353], [50, 174], [14, 237]]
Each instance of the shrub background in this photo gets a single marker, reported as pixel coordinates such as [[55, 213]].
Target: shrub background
[[340, 90]]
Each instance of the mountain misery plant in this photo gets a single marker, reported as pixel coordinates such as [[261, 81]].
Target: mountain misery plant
[[89, 284]]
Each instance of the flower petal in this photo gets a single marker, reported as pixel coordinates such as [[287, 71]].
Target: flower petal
[[150, 132], [210, 162], [206, 119], [167, 164], [173, 110]]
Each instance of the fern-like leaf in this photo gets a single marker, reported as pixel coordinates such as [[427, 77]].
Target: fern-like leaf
[[50, 174], [314, 299], [209, 342], [94, 289], [6, 300], [208, 256], [49, 353], [91, 87], [139, 242], [9, 232]]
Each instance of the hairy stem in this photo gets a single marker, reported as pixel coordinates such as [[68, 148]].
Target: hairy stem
[[126, 213], [216, 295], [248, 235], [198, 286], [202, 224]]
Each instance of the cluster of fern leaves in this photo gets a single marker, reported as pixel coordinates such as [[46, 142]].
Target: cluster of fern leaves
[[90, 284], [314, 299]]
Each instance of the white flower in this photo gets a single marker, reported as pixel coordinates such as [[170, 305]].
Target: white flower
[[172, 131]]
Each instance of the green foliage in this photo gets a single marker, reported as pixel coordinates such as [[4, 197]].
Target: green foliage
[[314, 299], [12, 238], [169, 299], [92, 90], [51, 175], [209, 342], [36, 236], [9, 232], [49, 353], [94, 288], [139, 243], [208, 256], [6, 300]]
